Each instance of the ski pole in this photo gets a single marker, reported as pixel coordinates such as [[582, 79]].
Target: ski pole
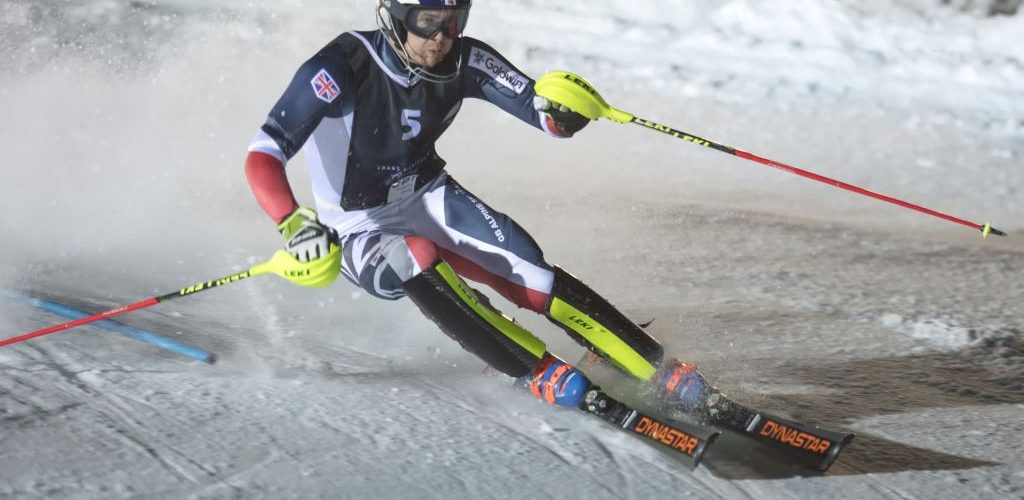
[[282, 264], [580, 96], [132, 332]]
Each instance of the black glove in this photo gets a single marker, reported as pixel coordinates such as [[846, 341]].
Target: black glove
[[563, 121]]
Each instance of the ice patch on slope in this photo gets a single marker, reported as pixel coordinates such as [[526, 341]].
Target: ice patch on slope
[[999, 349], [941, 334], [1002, 353], [936, 332]]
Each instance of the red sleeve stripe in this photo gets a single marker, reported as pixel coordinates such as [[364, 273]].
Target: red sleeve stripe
[[270, 185]]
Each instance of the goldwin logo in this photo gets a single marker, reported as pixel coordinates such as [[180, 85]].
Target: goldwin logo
[[502, 73]]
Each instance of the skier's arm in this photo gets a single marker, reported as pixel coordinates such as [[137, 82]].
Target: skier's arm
[[270, 185], [291, 121], [491, 77]]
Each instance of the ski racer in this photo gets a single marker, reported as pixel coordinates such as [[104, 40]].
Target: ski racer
[[367, 110]]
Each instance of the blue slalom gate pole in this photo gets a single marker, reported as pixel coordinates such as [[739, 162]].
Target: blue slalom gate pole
[[126, 330]]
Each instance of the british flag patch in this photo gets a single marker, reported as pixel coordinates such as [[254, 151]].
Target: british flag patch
[[325, 87]]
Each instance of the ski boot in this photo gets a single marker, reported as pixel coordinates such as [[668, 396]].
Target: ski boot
[[683, 387], [557, 382]]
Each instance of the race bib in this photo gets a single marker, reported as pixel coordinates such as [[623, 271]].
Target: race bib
[[402, 188]]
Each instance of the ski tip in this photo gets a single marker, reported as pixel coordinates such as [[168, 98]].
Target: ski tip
[[705, 443], [833, 452], [211, 359]]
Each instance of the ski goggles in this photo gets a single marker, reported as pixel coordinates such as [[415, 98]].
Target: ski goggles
[[425, 22]]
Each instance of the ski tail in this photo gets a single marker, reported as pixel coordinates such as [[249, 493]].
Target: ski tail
[[807, 443], [802, 443], [688, 441], [811, 444]]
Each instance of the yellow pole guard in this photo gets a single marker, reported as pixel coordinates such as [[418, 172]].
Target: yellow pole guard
[[572, 91], [316, 273]]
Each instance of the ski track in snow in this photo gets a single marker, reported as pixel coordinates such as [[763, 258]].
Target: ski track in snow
[[792, 296]]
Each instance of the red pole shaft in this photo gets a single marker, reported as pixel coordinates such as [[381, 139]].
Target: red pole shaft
[[850, 187], [984, 228], [184, 292], [81, 321]]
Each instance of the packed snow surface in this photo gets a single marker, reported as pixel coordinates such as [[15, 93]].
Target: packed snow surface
[[123, 132]]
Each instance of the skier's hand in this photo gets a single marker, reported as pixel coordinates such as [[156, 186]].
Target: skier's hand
[[314, 247], [566, 122], [305, 237]]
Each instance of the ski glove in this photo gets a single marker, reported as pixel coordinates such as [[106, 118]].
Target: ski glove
[[305, 237], [562, 121], [314, 247]]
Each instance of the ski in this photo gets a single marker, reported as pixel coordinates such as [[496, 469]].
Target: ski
[[807, 443], [688, 440]]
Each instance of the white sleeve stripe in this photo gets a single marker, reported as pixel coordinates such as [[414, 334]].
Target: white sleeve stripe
[[263, 143]]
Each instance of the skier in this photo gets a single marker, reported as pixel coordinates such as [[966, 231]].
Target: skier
[[367, 109]]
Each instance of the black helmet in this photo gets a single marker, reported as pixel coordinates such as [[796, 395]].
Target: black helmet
[[423, 18]]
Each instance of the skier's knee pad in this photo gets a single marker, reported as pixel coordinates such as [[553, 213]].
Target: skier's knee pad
[[594, 322], [470, 320]]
